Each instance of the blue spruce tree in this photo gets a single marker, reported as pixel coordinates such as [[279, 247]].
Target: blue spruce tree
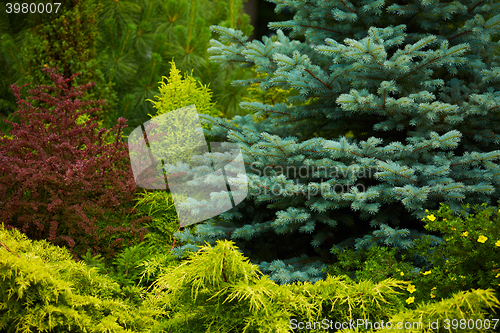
[[394, 109]]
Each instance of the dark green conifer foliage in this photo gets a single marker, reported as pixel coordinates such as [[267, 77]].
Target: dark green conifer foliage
[[396, 110], [67, 42], [125, 47], [139, 39], [14, 27]]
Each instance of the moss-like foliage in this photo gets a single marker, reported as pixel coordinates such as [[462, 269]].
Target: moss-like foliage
[[43, 290]]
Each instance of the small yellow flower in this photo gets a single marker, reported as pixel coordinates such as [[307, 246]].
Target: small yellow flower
[[410, 300], [497, 243], [465, 234], [453, 229], [498, 275], [482, 239], [432, 295], [402, 274], [434, 288], [431, 217], [411, 288], [444, 219], [427, 272]]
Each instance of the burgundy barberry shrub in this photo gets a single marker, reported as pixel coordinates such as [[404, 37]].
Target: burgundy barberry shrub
[[65, 180]]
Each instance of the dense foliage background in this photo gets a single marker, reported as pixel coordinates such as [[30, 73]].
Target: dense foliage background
[[125, 47], [405, 89]]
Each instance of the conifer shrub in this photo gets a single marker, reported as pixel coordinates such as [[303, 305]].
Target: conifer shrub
[[397, 111], [217, 289], [179, 90], [135, 268], [42, 289], [182, 90], [65, 180], [159, 205]]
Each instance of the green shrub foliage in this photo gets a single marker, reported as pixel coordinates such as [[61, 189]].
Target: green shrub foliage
[[159, 205], [66, 40], [470, 257], [135, 267], [63, 180], [375, 263], [396, 111], [177, 92], [218, 290], [43, 290]]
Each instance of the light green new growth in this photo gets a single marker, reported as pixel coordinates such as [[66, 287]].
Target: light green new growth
[[160, 206], [218, 288], [176, 93], [179, 92], [42, 289]]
